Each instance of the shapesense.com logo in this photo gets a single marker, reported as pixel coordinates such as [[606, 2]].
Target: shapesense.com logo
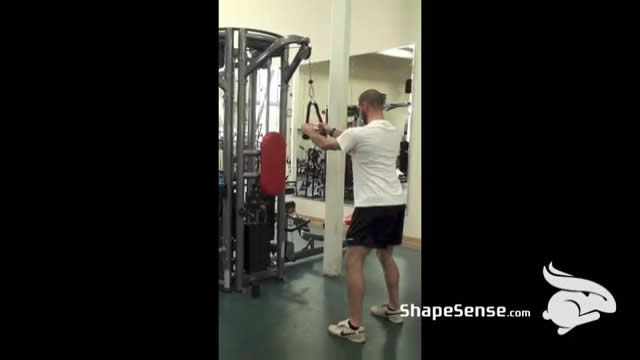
[[459, 311]]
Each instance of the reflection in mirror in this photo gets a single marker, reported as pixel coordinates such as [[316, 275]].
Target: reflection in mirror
[[388, 71]]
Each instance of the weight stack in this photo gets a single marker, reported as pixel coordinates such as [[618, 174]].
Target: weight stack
[[256, 243]]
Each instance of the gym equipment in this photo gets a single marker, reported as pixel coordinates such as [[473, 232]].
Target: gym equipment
[[312, 103], [301, 225], [311, 174], [252, 190], [255, 221], [315, 105], [403, 159], [389, 107], [408, 86], [273, 158]]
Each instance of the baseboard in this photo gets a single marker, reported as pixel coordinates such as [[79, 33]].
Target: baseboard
[[411, 242], [407, 241]]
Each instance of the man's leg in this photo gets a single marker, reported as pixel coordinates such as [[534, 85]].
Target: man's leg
[[355, 282], [391, 276]]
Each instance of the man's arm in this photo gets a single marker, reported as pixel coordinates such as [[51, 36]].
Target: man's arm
[[332, 132], [325, 143]]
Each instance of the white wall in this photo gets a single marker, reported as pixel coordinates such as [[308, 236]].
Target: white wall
[[413, 222], [375, 25]]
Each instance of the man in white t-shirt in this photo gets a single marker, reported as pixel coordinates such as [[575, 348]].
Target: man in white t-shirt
[[378, 219]]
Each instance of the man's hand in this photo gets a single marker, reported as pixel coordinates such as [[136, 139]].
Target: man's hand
[[308, 129], [325, 129], [318, 139]]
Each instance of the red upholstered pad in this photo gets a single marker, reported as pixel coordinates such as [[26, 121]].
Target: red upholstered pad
[[347, 220], [273, 160]]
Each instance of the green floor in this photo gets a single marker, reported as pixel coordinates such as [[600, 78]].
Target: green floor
[[289, 320]]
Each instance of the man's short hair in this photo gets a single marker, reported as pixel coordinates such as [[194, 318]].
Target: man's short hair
[[372, 97]]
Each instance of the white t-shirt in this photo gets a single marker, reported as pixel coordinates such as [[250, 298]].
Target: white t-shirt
[[374, 150]]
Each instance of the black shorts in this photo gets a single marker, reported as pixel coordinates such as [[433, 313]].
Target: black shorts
[[376, 227]]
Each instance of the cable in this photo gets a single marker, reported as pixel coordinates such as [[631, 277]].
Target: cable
[[312, 92]]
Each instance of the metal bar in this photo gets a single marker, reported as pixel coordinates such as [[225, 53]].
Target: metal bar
[[268, 96], [228, 158], [303, 53], [390, 107], [251, 175], [253, 31], [282, 213], [221, 83], [307, 253], [253, 93], [313, 184], [312, 236], [246, 109], [252, 153], [242, 94], [274, 48], [265, 104], [247, 132]]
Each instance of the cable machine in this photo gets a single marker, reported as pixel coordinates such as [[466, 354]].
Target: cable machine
[[251, 184]]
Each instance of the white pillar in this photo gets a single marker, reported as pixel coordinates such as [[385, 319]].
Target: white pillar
[[413, 223], [338, 98]]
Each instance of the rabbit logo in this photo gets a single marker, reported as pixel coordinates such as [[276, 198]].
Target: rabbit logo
[[578, 302]]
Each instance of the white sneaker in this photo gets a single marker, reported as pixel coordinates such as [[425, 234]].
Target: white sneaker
[[343, 330], [395, 316]]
